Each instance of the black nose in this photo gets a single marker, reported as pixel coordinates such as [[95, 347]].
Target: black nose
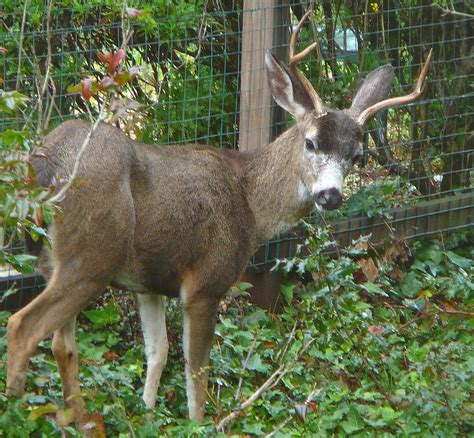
[[329, 199]]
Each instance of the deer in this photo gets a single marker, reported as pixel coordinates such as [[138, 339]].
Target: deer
[[182, 222]]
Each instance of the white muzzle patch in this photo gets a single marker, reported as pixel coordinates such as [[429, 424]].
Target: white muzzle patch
[[330, 176]]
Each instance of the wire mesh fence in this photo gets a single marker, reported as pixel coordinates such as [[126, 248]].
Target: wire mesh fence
[[202, 80]]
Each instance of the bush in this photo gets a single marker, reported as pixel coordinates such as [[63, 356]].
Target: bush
[[347, 356]]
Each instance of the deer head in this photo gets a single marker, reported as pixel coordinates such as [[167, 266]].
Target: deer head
[[330, 141]]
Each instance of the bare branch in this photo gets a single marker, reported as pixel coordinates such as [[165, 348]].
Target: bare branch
[[270, 383], [447, 11], [236, 412], [58, 197], [244, 367]]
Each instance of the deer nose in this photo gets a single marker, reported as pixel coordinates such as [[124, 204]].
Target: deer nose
[[329, 199]]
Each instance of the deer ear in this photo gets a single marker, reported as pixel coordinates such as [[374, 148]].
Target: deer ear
[[372, 90], [286, 88]]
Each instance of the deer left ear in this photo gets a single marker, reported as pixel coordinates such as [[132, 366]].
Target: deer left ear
[[372, 90], [286, 88]]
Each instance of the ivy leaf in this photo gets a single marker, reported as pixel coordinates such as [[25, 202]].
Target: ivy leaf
[[287, 292], [255, 364], [458, 260], [374, 289], [101, 317]]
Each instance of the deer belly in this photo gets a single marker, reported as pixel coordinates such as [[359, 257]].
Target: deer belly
[[167, 285]]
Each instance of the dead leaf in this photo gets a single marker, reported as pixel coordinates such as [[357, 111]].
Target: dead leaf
[[369, 269], [375, 329], [95, 427]]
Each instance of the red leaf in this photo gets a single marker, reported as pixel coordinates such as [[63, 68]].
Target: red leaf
[[86, 91], [375, 329], [3, 51], [132, 12], [110, 355], [116, 60], [105, 57]]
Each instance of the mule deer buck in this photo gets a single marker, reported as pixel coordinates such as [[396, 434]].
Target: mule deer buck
[[182, 222]]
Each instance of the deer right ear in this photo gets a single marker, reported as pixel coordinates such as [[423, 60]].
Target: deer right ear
[[286, 89], [373, 89]]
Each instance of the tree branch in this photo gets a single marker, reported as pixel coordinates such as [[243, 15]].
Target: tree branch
[[447, 11], [58, 197]]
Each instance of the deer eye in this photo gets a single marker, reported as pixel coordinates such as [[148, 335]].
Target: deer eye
[[309, 145]]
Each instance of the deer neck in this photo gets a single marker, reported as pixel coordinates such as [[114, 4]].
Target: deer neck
[[277, 194]]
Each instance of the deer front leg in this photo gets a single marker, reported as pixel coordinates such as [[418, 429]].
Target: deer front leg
[[65, 351], [198, 332], [153, 319]]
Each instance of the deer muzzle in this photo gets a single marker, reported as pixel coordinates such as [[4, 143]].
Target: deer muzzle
[[328, 199]]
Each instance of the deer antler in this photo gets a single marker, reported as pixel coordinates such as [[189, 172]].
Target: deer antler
[[368, 113], [294, 58]]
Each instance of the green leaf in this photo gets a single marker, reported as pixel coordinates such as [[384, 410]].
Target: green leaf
[[101, 317], [287, 292], [353, 422], [255, 364], [374, 289], [41, 411], [430, 251], [458, 260]]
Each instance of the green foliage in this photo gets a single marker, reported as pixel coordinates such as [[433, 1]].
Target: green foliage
[[21, 202], [390, 357]]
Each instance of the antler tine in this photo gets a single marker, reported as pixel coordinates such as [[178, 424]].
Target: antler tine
[[368, 113], [293, 59]]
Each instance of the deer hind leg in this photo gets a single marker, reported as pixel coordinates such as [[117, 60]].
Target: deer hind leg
[[153, 319], [64, 297], [200, 312], [65, 351]]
